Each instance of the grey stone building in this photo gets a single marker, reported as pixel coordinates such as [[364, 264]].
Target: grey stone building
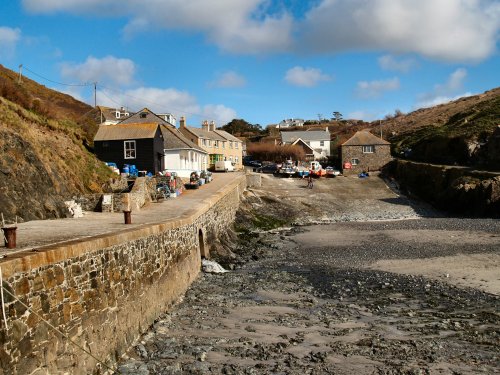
[[364, 152]]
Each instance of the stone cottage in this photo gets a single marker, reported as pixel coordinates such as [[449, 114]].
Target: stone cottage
[[364, 152]]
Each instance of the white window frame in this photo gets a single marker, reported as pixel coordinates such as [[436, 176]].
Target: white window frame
[[354, 161], [131, 150], [216, 144], [321, 143], [236, 144], [370, 149]]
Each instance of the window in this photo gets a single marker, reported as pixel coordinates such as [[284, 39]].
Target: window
[[223, 144], [236, 144], [354, 161], [216, 144], [236, 159], [117, 114], [143, 115], [230, 144], [368, 149], [204, 142], [321, 143], [129, 149]]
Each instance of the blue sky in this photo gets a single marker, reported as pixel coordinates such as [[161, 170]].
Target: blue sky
[[260, 60]]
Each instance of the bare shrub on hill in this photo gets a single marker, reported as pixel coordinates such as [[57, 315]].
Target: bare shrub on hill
[[270, 152]]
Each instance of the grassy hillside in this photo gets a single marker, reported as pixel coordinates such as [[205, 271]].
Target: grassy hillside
[[452, 133], [44, 155], [48, 103]]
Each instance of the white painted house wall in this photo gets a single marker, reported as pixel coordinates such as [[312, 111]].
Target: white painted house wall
[[183, 162], [325, 148]]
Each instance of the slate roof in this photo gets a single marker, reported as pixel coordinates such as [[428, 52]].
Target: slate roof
[[120, 132], [227, 135], [364, 138], [200, 133], [315, 135], [173, 139], [148, 117]]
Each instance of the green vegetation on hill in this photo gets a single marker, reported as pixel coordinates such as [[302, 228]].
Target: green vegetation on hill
[[242, 128]]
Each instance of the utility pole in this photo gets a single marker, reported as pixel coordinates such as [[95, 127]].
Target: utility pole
[[95, 94], [20, 73], [380, 125]]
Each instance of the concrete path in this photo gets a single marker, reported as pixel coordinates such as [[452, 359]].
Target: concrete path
[[33, 234]]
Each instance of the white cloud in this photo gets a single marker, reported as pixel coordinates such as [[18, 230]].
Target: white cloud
[[451, 90], [389, 62], [452, 30], [436, 100], [171, 100], [229, 79], [220, 113], [9, 38], [374, 89], [455, 83], [305, 77], [236, 26], [106, 70]]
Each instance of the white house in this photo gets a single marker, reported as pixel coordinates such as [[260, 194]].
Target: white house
[[112, 116], [180, 154], [316, 143], [290, 122], [168, 117]]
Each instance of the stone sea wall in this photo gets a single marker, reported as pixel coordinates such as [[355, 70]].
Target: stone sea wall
[[102, 292], [458, 190]]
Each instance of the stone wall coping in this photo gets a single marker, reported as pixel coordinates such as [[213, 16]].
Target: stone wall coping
[[50, 254], [468, 170]]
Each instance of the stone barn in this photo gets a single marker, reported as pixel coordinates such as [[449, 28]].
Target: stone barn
[[364, 152]]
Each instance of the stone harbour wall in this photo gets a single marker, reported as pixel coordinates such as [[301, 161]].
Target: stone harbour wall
[[459, 190], [103, 292]]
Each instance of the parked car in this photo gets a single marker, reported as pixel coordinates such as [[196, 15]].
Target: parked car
[[269, 168], [332, 172], [248, 160], [255, 163]]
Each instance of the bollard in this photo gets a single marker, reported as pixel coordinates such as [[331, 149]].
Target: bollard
[[10, 237], [128, 217]]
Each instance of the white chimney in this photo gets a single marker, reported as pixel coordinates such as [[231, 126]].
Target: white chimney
[[212, 125]]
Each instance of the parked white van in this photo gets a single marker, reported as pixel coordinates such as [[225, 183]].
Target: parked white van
[[224, 166]]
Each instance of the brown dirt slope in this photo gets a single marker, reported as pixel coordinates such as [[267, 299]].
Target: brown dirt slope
[[43, 155]]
